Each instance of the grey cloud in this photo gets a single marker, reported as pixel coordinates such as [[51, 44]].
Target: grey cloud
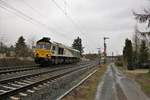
[[94, 18]]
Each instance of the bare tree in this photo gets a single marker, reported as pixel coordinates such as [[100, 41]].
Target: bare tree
[[143, 17], [136, 45]]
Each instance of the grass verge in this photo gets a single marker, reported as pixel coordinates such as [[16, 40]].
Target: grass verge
[[120, 68], [87, 90], [143, 79], [6, 62]]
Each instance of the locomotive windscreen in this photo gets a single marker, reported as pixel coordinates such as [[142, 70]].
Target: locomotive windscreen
[[44, 43], [43, 46], [44, 39]]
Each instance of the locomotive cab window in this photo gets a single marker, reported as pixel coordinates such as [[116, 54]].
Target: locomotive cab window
[[53, 48], [43, 45], [60, 51]]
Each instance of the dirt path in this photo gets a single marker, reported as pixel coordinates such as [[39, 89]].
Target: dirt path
[[116, 86]]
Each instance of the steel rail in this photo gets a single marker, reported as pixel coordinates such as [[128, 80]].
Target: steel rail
[[45, 79], [78, 84], [10, 79], [17, 67], [18, 70]]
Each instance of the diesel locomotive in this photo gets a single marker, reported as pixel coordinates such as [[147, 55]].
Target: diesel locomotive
[[47, 52]]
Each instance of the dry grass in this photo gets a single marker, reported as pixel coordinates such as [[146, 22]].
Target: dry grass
[[143, 78], [6, 62], [87, 90]]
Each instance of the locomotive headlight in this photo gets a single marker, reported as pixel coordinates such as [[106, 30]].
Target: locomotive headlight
[[37, 54], [47, 55]]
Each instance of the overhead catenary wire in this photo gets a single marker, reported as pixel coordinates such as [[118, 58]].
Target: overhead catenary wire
[[67, 16], [70, 18], [25, 17], [38, 13], [65, 3], [28, 4], [63, 11], [19, 13]]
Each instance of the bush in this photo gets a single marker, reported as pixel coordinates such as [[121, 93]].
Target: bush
[[119, 63]]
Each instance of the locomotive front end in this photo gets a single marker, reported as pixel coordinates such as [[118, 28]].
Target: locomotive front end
[[43, 52]]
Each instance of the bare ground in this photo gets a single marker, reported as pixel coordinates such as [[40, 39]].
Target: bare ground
[[6, 62], [143, 78], [87, 90]]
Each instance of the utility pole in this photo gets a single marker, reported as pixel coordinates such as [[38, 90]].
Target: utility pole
[[105, 48], [1, 43], [112, 56], [99, 54]]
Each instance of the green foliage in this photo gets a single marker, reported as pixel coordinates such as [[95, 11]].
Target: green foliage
[[77, 44], [128, 52], [12, 48], [21, 48], [3, 48], [143, 52], [119, 63], [9, 50]]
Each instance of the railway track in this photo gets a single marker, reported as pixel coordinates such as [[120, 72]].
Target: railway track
[[2, 72], [11, 71], [27, 83], [32, 73], [17, 67], [28, 66]]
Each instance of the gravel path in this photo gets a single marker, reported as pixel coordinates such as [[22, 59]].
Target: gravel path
[[116, 86]]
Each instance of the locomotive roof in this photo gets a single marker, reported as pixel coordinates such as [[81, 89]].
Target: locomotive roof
[[44, 39], [64, 46]]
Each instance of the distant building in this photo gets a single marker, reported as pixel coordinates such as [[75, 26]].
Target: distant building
[[2, 55], [115, 58], [12, 54]]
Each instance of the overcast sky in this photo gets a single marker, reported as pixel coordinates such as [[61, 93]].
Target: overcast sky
[[89, 19]]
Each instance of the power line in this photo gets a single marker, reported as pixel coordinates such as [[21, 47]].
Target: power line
[[70, 18], [65, 3], [30, 19], [27, 4], [21, 15], [72, 21], [25, 17], [64, 12]]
